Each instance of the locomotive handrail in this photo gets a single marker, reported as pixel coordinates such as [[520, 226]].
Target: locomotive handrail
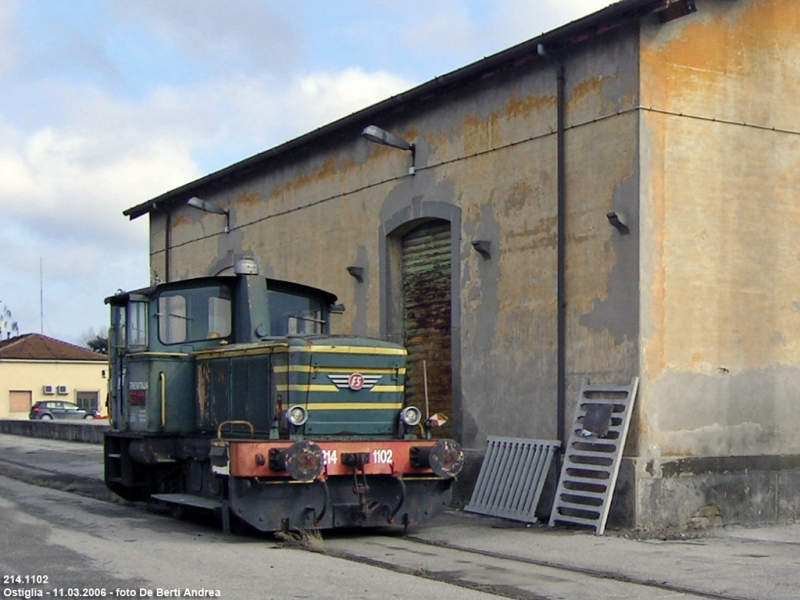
[[248, 423], [162, 377]]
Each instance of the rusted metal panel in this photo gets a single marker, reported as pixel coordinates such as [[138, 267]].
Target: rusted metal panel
[[213, 393], [235, 389], [427, 317], [251, 399], [203, 392]]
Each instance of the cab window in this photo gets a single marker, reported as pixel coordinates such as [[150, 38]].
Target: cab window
[[137, 325], [120, 328], [195, 314], [294, 314]]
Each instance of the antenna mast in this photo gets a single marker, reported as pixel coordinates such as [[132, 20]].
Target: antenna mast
[[41, 300]]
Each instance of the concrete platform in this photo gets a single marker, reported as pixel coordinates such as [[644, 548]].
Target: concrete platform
[[90, 432]]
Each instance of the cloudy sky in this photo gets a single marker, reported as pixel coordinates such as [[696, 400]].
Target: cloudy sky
[[107, 103]]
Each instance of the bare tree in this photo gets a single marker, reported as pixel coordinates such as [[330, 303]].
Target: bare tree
[[95, 341], [7, 326]]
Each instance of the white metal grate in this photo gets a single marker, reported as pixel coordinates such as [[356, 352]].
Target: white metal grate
[[511, 478], [591, 461]]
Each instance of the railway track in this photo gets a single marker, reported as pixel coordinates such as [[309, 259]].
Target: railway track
[[55, 479], [503, 574]]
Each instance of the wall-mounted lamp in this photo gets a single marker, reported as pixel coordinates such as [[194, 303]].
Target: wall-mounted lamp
[[620, 221], [357, 273], [210, 208], [484, 248], [381, 136]]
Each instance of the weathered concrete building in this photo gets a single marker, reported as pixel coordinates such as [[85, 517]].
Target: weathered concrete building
[[500, 263]]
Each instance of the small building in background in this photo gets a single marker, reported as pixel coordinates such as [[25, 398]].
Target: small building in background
[[35, 367]]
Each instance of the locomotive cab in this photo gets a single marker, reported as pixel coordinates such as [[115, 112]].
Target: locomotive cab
[[157, 333]]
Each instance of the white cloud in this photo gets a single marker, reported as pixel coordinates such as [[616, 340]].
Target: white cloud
[[63, 190], [55, 180], [241, 115], [333, 95], [111, 147]]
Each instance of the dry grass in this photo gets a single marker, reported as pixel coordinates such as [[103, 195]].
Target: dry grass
[[307, 539]]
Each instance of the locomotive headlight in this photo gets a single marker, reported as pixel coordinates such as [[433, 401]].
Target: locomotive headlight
[[411, 416], [297, 416]]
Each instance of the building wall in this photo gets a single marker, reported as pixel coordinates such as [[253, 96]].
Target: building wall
[[720, 295], [34, 375], [486, 161]]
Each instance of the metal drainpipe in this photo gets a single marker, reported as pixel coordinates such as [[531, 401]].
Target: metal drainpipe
[[561, 309], [167, 244]]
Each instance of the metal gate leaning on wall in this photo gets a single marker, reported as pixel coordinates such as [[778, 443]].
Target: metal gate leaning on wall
[[427, 277]]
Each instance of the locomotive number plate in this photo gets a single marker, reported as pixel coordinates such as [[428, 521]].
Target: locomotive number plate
[[331, 457], [379, 456], [383, 456]]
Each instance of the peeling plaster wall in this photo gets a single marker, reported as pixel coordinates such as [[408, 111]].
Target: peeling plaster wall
[[721, 350], [720, 293], [488, 150]]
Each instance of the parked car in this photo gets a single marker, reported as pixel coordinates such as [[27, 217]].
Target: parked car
[[57, 409]]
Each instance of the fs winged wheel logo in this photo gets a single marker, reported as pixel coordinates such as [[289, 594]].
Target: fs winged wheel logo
[[354, 382]]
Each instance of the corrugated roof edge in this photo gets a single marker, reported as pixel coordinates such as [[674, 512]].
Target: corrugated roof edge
[[611, 17]]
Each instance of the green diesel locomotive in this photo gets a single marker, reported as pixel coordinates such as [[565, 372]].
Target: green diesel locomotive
[[230, 394]]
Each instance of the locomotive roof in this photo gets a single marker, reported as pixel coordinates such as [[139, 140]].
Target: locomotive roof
[[323, 342], [281, 285]]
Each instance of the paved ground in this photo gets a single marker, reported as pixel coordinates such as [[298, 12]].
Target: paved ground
[[725, 562]]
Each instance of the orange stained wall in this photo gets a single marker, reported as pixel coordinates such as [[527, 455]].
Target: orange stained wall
[[720, 256]]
